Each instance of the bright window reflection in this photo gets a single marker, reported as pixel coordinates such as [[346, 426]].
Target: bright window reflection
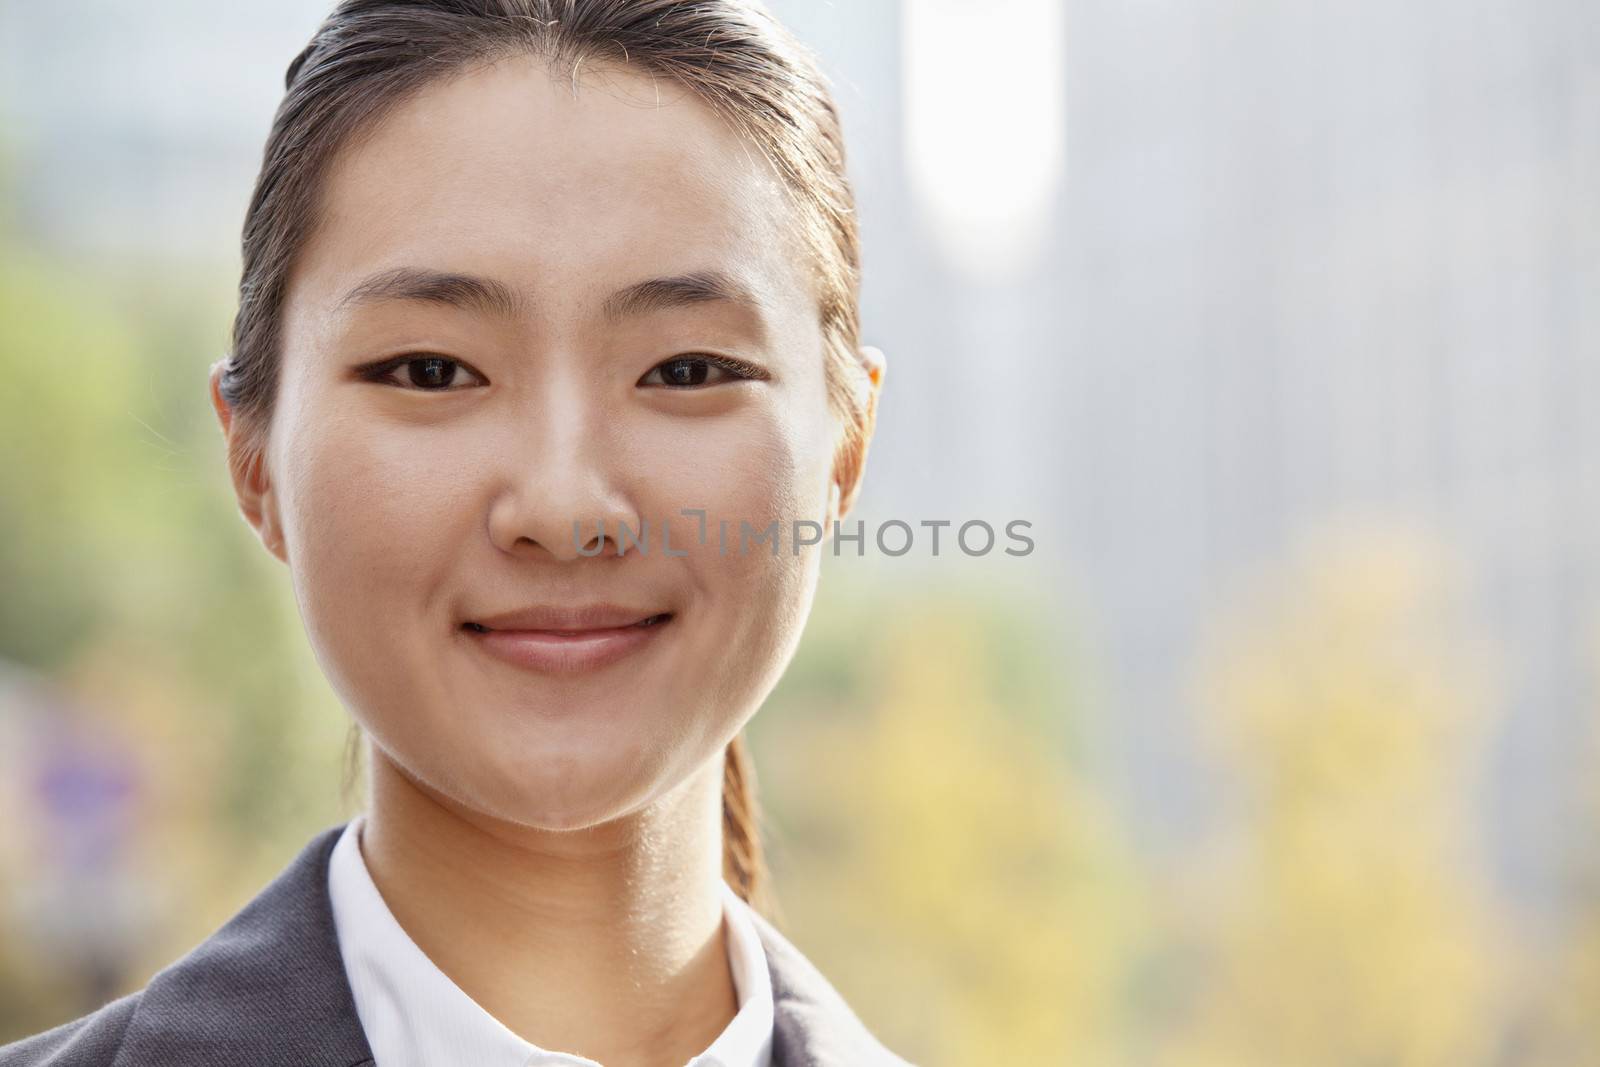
[[985, 118]]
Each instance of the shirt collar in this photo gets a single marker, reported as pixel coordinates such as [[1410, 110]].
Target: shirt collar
[[414, 1014], [270, 988]]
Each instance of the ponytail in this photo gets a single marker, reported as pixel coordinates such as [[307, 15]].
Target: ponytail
[[743, 859]]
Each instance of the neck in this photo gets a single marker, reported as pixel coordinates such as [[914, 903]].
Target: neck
[[606, 942]]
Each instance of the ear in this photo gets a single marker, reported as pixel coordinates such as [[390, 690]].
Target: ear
[[848, 473], [251, 485]]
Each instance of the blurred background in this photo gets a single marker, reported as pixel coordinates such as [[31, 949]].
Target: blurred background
[[1279, 321]]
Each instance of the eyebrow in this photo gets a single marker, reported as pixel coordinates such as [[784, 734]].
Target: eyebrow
[[486, 295], [466, 291], [679, 290]]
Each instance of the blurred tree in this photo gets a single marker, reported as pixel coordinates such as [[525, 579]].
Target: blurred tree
[[67, 365], [133, 588], [938, 852], [1347, 922]]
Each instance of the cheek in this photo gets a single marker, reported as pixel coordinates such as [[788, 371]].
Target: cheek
[[752, 474], [765, 460], [766, 465], [360, 504], [367, 522]]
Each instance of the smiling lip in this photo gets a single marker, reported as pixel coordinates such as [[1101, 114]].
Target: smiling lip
[[566, 640]]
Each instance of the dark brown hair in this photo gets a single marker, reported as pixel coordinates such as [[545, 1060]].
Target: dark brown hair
[[369, 55]]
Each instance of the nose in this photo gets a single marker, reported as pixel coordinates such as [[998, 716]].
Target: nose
[[562, 493]]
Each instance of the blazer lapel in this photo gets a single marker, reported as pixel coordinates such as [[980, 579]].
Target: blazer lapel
[[813, 1026], [270, 988]]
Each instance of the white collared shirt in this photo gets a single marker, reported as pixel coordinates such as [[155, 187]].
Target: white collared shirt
[[414, 1015]]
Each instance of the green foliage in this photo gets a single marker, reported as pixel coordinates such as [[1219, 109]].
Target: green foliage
[[132, 584]]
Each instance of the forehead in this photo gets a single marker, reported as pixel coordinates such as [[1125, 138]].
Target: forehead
[[562, 188]]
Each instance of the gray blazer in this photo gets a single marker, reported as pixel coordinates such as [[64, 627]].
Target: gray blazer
[[269, 989]]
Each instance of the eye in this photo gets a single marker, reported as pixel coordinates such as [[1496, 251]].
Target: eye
[[691, 372], [430, 374]]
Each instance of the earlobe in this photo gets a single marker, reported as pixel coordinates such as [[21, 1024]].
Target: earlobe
[[258, 502], [875, 363], [270, 528], [247, 469], [869, 385]]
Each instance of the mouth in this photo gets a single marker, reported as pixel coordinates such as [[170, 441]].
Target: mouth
[[568, 650], [648, 621]]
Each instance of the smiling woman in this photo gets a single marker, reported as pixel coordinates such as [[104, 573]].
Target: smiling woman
[[514, 268]]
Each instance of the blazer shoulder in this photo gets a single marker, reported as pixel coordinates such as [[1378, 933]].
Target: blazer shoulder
[[813, 1025], [89, 1041], [268, 987]]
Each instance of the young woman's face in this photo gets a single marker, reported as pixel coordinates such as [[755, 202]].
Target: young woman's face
[[415, 499]]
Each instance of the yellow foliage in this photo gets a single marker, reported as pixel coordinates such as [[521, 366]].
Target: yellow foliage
[[1354, 926], [982, 888]]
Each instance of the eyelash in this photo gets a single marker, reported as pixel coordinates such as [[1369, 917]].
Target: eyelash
[[738, 369]]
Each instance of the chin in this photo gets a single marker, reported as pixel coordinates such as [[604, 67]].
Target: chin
[[559, 792], [559, 814]]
